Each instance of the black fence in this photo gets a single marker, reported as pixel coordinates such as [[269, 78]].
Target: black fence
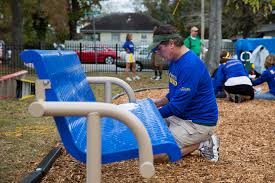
[[94, 58]]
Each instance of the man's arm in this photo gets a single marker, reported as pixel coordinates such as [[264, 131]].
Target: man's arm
[[186, 89], [161, 101], [219, 79], [263, 78]]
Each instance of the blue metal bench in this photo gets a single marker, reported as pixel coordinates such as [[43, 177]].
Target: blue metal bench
[[64, 81]]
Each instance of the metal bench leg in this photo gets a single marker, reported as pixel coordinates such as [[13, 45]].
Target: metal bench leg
[[93, 148]]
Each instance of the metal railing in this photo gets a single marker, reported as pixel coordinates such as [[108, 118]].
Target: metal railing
[[110, 57]]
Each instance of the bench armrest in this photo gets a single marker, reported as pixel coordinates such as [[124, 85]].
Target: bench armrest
[[89, 109], [108, 81]]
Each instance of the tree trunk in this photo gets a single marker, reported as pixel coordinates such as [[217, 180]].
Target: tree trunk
[[219, 30], [215, 35], [17, 22], [73, 17], [17, 31]]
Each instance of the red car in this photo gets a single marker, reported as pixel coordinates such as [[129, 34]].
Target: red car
[[103, 55]]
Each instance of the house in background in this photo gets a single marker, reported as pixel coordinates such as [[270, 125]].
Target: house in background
[[113, 28], [267, 30]]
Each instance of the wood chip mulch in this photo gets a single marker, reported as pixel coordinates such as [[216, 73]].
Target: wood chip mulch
[[247, 151]]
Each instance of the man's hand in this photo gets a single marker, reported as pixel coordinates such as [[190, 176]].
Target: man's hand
[[160, 102]]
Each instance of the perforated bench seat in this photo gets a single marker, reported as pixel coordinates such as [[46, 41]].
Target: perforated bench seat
[[69, 83]]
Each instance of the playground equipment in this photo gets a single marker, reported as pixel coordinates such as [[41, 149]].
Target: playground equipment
[[25, 89], [14, 86], [250, 44], [245, 58], [8, 84], [258, 57], [63, 91], [244, 48]]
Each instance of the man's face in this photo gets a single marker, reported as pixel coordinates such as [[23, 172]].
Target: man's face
[[194, 33], [166, 51]]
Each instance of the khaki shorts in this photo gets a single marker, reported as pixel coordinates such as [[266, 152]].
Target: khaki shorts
[[188, 133]]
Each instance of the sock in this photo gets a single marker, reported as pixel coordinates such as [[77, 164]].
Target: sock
[[201, 145], [205, 143], [160, 73]]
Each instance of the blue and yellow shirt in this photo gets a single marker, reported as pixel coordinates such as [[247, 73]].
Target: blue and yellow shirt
[[129, 45], [191, 95], [232, 68], [269, 77]]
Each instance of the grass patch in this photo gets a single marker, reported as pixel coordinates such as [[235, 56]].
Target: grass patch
[[25, 140]]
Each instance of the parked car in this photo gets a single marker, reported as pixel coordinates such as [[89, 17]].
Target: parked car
[[5, 53], [1, 49], [143, 60], [104, 55]]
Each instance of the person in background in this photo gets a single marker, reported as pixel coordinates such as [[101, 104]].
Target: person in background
[[233, 78], [130, 59], [190, 107], [269, 77], [219, 92], [193, 42], [157, 63]]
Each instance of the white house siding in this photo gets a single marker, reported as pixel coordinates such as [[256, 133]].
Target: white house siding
[[106, 38], [137, 38], [270, 34]]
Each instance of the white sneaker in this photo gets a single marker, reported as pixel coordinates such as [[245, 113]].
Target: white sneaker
[[258, 91], [158, 78], [154, 78], [128, 79], [136, 78], [210, 149]]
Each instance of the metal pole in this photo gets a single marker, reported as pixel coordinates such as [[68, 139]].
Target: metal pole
[[93, 148], [116, 57], [94, 37], [116, 81], [80, 49], [202, 28], [202, 21], [108, 92]]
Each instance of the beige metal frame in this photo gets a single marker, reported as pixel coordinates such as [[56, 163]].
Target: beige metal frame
[[94, 111], [108, 81]]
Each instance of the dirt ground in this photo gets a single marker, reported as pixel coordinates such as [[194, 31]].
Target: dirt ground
[[247, 151]]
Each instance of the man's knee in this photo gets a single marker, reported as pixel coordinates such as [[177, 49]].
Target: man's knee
[[187, 133]]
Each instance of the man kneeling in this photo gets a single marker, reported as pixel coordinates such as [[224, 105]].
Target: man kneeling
[[190, 107]]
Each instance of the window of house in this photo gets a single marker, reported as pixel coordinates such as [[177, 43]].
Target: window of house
[[97, 36], [86, 37], [143, 36], [90, 37], [143, 42], [116, 37]]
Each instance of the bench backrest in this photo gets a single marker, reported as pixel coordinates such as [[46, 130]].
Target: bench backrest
[[68, 83]]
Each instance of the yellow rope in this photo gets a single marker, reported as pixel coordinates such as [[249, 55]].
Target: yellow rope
[[176, 7], [37, 129]]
